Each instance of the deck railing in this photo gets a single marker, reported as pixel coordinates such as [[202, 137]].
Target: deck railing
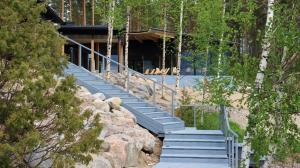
[[195, 115], [134, 82]]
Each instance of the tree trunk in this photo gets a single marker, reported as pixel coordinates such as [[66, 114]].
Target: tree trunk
[[266, 45], [110, 36], [179, 49], [70, 10], [262, 67], [221, 40], [84, 13], [62, 14], [93, 42], [127, 40], [93, 12], [164, 50]]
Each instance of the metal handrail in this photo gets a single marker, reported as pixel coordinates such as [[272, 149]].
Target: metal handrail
[[173, 92], [123, 66], [230, 135]]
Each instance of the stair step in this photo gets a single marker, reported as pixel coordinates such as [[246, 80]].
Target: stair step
[[113, 91], [87, 78], [157, 114], [130, 100], [165, 119], [146, 109], [190, 165], [194, 142], [197, 134], [194, 158], [194, 150], [138, 104]]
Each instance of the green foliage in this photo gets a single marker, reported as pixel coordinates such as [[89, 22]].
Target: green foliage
[[40, 117]]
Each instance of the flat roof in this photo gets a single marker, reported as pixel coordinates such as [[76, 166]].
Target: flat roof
[[72, 29], [151, 34]]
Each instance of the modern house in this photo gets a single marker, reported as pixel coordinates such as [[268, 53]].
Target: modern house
[[145, 46]]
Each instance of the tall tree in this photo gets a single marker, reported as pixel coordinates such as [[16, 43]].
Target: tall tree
[[84, 12], [179, 48], [262, 68], [40, 118], [110, 35], [164, 47]]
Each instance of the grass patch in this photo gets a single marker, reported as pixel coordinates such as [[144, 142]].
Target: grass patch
[[211, 121]]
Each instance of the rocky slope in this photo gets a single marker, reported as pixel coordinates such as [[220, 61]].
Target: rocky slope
[[125, 143]]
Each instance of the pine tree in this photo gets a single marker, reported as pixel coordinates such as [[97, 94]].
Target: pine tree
[[40, 120]]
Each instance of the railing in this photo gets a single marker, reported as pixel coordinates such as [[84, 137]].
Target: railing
[[134, 82], [200, 116]]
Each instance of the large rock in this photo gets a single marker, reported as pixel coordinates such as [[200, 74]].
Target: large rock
[[114, 102], [84, 95], [100, 96], [101, 105], [98, 162]]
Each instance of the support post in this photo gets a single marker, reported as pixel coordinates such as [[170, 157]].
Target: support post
[[92, 55], [79, 56], [154, 93], [172, 104], [97, 57], [127, 79], [120, 54]]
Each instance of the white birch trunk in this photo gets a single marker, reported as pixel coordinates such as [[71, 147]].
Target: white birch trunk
[[179, 49], [110, 36], [266, 45], [127, 42], [221, 41], [164, 51], [260, 74]]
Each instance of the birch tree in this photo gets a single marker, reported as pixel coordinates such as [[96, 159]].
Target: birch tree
[[110, 35], [262, 67], [164, 47], [177, 86], [221, 41]]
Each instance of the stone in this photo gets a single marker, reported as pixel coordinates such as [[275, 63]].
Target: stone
[[105, 146], [114, 102], [99, 95], [98, 161], [101, 105]]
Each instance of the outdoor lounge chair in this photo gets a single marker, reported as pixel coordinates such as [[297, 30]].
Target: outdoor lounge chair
[[147, 72], [174, 71], [157, 71], [165, 72], [152, 72]]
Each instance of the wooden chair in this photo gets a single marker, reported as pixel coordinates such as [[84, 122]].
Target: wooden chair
[[174, 71], [157, 71], [147, 72], [152, 72], [165, 72]]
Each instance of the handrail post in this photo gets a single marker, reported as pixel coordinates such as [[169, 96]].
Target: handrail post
[[79, 56], [232, 148], [103, 68], [172, 103], [194, 116], [154, 93], [127, 79], [237, 152]]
